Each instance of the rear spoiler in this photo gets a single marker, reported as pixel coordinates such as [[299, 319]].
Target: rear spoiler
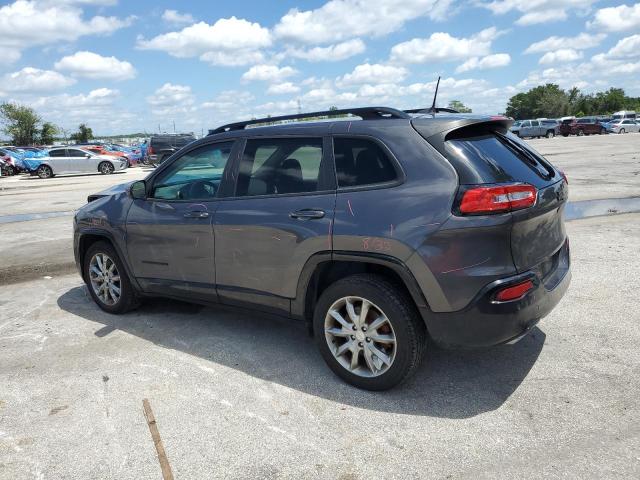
[[435, 130]]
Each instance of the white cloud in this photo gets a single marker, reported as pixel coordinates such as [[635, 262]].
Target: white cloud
[[543, 16], [91, 65], [373, 74], [339, 20], [26, 24], [267, 73], [283, 88], [441, 46], [228, 101], [482, 63], [626, 47], [617, 19], [332, 53], [539, 11], [176, 18], [30, 80], [171, 99], [562, 55], [582, 41], [229, 41]]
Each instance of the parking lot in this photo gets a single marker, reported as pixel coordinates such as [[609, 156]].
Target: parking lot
[[247, 396]]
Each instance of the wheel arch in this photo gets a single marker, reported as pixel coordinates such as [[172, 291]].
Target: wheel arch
[[89, 237], [325, 268]]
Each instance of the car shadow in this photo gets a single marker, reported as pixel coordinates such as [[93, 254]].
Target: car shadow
[[449, 384]]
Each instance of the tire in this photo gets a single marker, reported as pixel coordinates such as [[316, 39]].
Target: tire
[[44, 171], [550, 134], [404, 325], [580, 133], [106, 168], [601, 131], [565, 134], [621, 130], [104, 298]]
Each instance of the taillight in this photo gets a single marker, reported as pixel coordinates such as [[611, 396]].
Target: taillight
[[497, 199], [150, 151], [514, 292]]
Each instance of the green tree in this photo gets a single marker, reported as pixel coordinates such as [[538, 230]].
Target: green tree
[[83, 135], [459, 106], [48, 132], [20, 123]]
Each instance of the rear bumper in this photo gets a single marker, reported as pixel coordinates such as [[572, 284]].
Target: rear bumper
[[485, 323]]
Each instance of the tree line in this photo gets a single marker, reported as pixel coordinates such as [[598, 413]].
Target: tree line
[[550, 101], [25, 127]]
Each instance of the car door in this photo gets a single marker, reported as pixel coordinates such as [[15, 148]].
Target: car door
[[279, 214], [170, 242], [525, 129], [78, 161], [535, 128], [58, 160]]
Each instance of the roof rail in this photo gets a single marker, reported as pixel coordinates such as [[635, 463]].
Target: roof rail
[[431, 110], [366, 113]]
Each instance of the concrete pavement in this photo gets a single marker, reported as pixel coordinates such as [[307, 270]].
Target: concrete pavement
[[246, 396]]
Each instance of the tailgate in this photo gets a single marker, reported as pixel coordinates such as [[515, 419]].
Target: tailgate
[[539, 232]]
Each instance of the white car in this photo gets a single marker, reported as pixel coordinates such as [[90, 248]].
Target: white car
[[76, 160], [623, 126]]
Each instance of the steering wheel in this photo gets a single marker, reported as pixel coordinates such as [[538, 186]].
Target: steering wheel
[[199, 190]]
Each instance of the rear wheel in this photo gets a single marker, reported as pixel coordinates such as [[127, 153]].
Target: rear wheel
[[368, 332], [550, 134], [107, 280], [44, 171], [621, 130], [106, 168], [580, 133], [601, 131]]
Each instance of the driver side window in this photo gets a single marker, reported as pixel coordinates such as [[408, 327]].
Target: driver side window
[[194, 176]]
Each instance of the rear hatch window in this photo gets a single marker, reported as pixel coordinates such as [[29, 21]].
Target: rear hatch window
[[482, 155]]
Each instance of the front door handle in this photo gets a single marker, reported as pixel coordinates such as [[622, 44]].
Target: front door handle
[[196, 214], [307, 213]]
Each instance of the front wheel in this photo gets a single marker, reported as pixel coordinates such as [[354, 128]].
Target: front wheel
[[368, 332], [621, 130], [107, 280], [580, 133], [44, 171], [550, 134], [106, 168]]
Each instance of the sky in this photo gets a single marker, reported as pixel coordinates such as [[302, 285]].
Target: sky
[[143, 66]]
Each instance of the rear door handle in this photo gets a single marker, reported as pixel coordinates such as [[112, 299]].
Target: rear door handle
[[196, 214], [307, 214]]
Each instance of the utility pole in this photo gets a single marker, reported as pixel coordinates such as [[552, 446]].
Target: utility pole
[[174, 126]]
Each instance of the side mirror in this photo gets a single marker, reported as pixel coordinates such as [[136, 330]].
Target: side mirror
[[86, 155], [138, 190]]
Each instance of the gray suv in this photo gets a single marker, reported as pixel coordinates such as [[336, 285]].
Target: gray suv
[[385, 231]]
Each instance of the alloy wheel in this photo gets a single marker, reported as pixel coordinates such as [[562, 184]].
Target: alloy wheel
[[106, 168], [105, 279], [360, 336]]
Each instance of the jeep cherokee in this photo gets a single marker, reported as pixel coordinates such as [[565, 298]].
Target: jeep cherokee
[[384, 230]]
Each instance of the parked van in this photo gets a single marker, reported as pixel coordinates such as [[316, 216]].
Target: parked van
[[622, 114]]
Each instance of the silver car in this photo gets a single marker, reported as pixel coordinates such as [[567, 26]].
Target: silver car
[[623, 125], [76, 160]]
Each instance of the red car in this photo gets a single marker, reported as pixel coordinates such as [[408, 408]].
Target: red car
[[581, 126]]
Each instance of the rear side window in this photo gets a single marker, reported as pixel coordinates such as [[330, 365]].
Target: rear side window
[[61, 152], [483, 156], [277, 166], [361, 162]]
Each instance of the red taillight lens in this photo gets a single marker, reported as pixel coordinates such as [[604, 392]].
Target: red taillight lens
[[497, 199], [514, 292], [150, 151]]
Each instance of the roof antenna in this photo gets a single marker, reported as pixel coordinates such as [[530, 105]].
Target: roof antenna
[[433, 110]]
